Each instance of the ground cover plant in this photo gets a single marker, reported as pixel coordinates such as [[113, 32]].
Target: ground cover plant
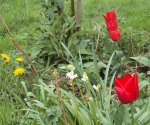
[[74, 62]]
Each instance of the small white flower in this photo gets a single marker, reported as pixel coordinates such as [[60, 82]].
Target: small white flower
[[71, 75], [71, 67], [84, 77], [71, 101], [97, 88]]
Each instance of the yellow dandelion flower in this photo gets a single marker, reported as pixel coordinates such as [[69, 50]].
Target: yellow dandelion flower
[[18, 71], [19, 59], [5, 57]]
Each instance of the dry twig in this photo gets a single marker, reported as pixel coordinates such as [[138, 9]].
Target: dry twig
[[14, 41], [61, 103]]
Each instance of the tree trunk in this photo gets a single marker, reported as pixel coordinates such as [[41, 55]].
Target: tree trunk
[[78, 14], [72, 8]]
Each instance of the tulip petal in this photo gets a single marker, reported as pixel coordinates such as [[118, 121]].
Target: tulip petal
[[129, 85], [119, 82], [112, 25], [114, 34], [127, 88], [119, 92], [128, 97], [132, 87], [123, 96], [127, 77], [110, 16], [128, 80]]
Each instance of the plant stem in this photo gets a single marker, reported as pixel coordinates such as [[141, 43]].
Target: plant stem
[[58, 92], [132, 116]]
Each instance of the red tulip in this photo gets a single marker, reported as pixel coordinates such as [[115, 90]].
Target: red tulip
[[110, 16], [127, 88], [115, 35], [112, 25]]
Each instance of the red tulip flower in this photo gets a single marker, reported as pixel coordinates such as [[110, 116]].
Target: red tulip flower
[[110, 16], [127, 88], [115, 35], [113, 25]]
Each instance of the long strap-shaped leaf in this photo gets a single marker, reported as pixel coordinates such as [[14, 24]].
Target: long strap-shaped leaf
[[107, 73]]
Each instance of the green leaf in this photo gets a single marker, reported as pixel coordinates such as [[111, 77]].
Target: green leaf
[[144, 83], [95, 63], [143, 60], [39, 104], [102, 118], [91, 68], [67, 50], [60, 4], [84, 117], [107, 73]]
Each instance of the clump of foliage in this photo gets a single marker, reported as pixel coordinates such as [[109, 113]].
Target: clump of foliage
[[82, 92], [55, 27]]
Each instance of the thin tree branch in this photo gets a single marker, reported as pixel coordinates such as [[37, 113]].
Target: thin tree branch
[[58, 92], [14, 41]]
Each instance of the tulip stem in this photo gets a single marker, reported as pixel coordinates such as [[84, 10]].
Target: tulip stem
[[132, 116]]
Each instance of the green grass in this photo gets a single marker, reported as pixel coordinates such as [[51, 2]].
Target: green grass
[[19, 16], [132, 13]]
